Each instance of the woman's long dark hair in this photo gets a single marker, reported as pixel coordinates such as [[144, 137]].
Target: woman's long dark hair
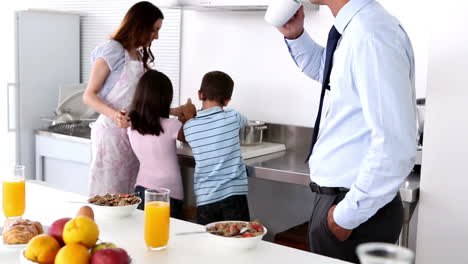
[[152, 101], [136, 28]]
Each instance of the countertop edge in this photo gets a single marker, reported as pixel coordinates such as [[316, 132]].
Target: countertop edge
[[63, 136]]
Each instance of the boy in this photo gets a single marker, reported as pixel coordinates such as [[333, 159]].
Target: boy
[[220, 180]]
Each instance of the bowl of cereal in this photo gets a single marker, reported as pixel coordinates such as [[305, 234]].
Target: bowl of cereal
[[114, 205], [229, 235]]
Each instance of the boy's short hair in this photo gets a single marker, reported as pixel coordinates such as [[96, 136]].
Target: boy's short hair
[[217, 86]]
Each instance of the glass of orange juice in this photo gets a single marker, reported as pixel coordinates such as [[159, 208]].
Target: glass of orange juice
[[157, 213], [14, 192]]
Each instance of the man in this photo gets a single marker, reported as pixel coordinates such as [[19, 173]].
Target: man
[[366, 145]]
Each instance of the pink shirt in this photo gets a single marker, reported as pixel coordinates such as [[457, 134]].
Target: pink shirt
[[159, 166]]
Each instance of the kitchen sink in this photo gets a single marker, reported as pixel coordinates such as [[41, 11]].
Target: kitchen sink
[[77, 129]]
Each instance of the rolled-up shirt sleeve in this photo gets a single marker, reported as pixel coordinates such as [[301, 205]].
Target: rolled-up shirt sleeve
[[308, 55], [382, 75]]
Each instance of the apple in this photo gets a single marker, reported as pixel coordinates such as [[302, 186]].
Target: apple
[[56, 229], [102, 246], [110, 256]]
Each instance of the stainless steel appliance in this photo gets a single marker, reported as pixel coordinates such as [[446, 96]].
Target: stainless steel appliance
[[252, 133], [47, 47]]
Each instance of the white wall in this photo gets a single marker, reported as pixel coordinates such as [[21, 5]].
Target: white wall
[[443, 212], [268, 85]]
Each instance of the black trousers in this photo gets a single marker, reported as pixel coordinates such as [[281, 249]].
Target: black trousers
[[384, 226], [233, 207], [176, 205]]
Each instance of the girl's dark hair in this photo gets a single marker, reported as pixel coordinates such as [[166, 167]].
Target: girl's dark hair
[[136, 27], [152, 101]]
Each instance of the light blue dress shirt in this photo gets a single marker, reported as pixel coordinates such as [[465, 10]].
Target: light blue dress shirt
[[367, 139]]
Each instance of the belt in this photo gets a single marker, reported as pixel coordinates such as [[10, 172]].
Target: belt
[[327, 190]]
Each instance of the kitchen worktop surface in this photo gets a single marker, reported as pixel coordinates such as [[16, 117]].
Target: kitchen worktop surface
[[46, 204], [75, 136], [290, 167], [286, 166]]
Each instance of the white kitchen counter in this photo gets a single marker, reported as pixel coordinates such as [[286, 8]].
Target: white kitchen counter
[[182, 149], [46, 204]]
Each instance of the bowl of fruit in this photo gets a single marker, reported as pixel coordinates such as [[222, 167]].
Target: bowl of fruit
[[73, 240]]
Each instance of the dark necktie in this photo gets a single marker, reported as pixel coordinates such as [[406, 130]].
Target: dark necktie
[[332, 41]]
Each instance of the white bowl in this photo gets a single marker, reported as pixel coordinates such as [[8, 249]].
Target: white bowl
[[235, 243], [102, 211]]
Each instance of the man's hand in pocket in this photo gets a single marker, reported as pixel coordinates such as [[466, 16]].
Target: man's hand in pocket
[[340, 233]]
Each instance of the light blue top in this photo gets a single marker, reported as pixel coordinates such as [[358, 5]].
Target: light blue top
[[220, 170], [367, 140], [114, 54]]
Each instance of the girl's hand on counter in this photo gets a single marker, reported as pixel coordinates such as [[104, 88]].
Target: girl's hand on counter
[[121, 118]]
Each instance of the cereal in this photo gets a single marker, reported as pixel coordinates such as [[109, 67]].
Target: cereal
[[231, 229], [114, 199]]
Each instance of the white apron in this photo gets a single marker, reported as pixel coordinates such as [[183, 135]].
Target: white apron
[[114, 166]]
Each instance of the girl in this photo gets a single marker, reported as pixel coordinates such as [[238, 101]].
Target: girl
[[153, 138], [118, 65]]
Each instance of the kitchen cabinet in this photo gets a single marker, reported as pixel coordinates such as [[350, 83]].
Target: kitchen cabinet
[[63, 161]]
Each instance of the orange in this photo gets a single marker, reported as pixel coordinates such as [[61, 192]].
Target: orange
[[73, 254], [42, 249], [81, 230]]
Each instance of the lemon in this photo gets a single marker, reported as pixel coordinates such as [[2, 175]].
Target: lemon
[[81, 230]]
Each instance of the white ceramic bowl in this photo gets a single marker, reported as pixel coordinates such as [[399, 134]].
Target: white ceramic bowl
[[102, 211], [233, 243]]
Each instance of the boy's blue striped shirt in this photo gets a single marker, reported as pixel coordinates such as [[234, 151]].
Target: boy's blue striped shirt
[[220, 170]]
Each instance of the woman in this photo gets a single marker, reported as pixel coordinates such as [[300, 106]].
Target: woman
[[118, 65]]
